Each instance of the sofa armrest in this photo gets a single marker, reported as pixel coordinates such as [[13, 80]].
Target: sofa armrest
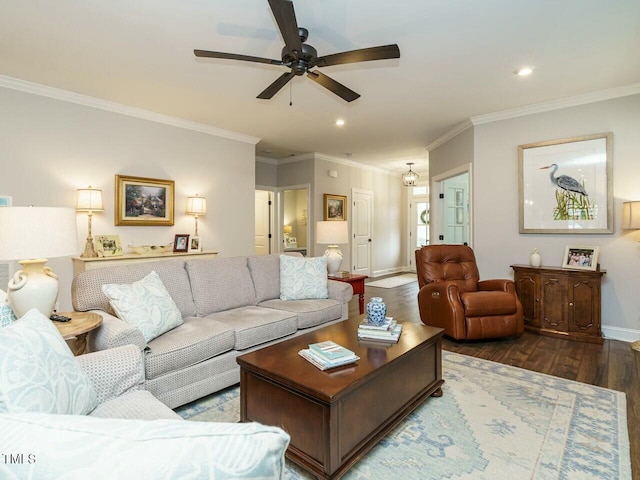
[[69, 446], [503, 285], [114, 371], [114, 332], [340, 291]]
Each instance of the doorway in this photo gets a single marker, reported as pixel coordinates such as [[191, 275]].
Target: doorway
[[419, 222], [294, 215], [452, 212]]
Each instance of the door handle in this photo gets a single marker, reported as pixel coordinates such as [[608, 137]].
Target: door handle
[[369, 240]]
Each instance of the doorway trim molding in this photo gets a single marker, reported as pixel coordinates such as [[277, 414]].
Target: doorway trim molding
[[436, 213], [279, 200]]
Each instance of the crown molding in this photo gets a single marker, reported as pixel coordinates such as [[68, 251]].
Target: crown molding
[[558, 104], [457, 130], [87, 101], [270, 161]]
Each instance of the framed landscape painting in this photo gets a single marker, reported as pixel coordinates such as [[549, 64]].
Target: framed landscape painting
[[335, 207], [144, 201], [566, 185]]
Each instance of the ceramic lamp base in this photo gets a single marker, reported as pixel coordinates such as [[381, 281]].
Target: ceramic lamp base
[[35, 286], [334, 258]]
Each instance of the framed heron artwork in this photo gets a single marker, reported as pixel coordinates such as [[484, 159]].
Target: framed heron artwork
[[566, 185]]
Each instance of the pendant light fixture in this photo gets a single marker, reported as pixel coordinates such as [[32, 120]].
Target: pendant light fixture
[[410, 178]]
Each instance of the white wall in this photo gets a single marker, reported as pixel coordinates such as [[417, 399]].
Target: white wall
[[497, 242], [49, 148]]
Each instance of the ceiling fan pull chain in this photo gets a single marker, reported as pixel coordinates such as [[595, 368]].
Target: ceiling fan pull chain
[[291, 94]]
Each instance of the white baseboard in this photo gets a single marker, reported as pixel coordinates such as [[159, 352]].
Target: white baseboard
[[389, 271], [622, 334]]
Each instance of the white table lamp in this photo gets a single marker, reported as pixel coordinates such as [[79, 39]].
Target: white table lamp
[[196, 206], [89, 200], [332, 234], [35, 234]]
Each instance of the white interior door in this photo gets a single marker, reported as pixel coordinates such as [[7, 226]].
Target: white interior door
[[262, 243], [361, 225]]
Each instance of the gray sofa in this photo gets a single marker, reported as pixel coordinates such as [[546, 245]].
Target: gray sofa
[[229, 306]]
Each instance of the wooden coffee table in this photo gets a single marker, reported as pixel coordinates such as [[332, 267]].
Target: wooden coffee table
[[335, 416]]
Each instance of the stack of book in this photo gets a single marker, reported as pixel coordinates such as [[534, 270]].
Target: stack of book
[[328, 354], [389, 331]]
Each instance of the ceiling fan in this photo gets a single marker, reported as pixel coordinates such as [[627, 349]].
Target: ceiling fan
[[301, 57]]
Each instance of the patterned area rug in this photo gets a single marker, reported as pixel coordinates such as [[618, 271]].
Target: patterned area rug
[[395, 281], [493, 422]]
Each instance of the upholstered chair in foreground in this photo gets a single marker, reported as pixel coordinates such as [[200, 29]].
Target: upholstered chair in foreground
[[452, 297]]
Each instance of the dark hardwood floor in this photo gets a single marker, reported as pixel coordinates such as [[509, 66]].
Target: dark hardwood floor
[[612, 365]]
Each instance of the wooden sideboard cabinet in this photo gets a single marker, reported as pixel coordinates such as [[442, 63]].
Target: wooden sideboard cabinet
[[560, 302], [81, 264]]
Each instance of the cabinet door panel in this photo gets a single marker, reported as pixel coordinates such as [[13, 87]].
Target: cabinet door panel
[[554, 302], [584, 305], [527, 288]]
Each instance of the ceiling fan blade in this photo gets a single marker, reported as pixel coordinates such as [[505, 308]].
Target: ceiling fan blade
[[286, 19], [233, 56], [275, 87], [363, 55], [336, 87]]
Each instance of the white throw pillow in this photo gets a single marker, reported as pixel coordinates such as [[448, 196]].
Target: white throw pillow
[[145, 304], [38, 372], [303, 278]]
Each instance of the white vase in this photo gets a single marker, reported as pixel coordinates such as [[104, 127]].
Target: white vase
[[535, 260], [35, 286]]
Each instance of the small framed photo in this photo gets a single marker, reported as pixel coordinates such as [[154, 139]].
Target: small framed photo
[[580, 257], [108, 246], [194, 244], [181, 243], [335, 207]]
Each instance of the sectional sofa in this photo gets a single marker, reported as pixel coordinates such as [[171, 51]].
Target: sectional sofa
[[229, 306]]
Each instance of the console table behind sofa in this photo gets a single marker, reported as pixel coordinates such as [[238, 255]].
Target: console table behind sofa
[[83, 264]]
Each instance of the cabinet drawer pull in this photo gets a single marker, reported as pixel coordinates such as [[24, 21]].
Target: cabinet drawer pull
[[571, 304]]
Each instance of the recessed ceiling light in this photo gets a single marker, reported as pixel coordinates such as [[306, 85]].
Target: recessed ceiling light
[[339, 122], [524, 71]]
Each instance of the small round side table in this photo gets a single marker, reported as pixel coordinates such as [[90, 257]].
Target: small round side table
[[78, 327]]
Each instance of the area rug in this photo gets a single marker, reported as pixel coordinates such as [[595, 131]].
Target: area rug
[[493, 422], [394, 281]]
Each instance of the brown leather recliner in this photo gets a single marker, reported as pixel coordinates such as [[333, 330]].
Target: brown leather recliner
[[452, 296]]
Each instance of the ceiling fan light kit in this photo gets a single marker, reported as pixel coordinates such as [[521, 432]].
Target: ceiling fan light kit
[[301, 57]]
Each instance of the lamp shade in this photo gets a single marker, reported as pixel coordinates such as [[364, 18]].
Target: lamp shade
[[89, 200], [631, 215], [332, 233], [37, 232], [287, 229], [196, 205]]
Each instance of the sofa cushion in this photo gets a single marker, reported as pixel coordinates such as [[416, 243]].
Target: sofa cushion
[[303, 278], [39, 372], [265, 272], [64, 446], [136, 404], [309, 312], [255, 325], [87, 294], [196, 340], [146, 304], [220, 284]]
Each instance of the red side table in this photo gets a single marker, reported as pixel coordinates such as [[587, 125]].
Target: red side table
[[357, 282]]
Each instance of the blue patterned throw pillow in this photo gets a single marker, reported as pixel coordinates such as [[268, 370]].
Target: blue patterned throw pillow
[[40, 374], [7, 316], [303, 278], [145, 304]]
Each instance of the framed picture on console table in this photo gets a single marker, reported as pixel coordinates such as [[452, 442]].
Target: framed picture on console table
[[335, 207], [566, 185], [144, 201], [580, 257]]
